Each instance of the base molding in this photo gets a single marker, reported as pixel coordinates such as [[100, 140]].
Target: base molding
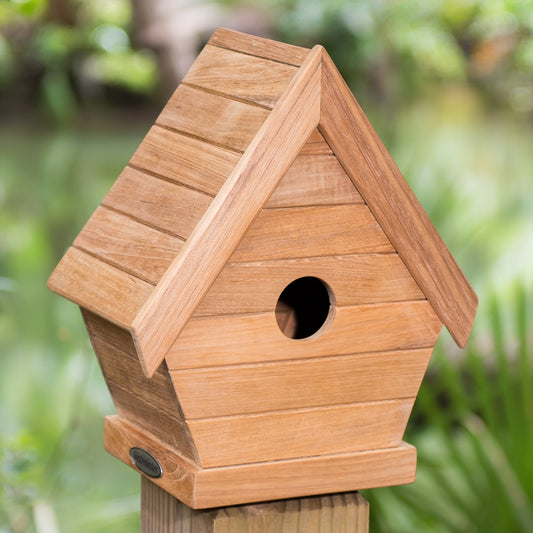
[[202, 488]]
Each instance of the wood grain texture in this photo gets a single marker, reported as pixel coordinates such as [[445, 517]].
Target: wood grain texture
[[394, 205], [242, 339], [259, 388], [228, 217], [162, 425], [353, 279], [129, 245], [217, 119], [179, 473], [338, 513], [156, 202], [311, 231], [216, 487], [259, 46], [184, 159], [314, 180], [125, 370], [314, 475], [316, 145], [300, 433], [117, 337], [99, 287], [242, 76]]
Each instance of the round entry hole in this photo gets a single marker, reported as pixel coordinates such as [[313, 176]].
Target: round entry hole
[[303, 307]]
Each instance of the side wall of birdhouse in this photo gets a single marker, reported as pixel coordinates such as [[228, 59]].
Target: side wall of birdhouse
[[149, 403], [250, 393]]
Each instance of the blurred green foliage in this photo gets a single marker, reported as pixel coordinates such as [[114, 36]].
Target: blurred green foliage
[[447, 84], [66, 53]]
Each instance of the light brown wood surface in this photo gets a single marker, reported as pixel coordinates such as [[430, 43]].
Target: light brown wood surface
[[241, 76], [314, 180], [258, 46], [99, 287], [228, 217], [242, 339], [316, 144], [168, 428], [223, 486], [311, 232], [156, 202], [217, 119], [329, 381], [184, 159], [338, 513], [394, 205], [299, 433], [353, 279], [133, 247]]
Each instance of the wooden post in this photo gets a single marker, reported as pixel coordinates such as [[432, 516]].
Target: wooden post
[[336, 513]]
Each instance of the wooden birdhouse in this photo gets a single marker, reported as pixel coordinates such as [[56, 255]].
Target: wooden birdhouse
[[262, 288]]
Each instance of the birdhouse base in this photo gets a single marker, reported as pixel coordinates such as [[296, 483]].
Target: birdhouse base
[[202, 488]]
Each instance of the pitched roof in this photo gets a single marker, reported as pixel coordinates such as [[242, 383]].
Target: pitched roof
[[294, 91]]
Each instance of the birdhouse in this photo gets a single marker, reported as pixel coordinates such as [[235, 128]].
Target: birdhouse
[[261, 287]]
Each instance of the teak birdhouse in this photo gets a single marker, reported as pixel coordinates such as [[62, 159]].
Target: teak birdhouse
[[262, 288]]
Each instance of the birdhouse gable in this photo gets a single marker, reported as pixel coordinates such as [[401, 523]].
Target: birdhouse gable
[[260, 268], [261, 138]]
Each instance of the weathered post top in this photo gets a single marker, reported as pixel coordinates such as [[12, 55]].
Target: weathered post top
[[262, 288]]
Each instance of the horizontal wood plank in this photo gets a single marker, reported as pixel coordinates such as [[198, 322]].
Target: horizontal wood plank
[[156, 202], [286, 435], [129, 245], [257, 80], [170, 429], [311, 231], [117, 337], [316, 145], [283, 385], [238, 339], [125, 371], [259, 46], [99, 287], [184, 159], [216, 487], [353, 279], [314, 180], [212, 117]]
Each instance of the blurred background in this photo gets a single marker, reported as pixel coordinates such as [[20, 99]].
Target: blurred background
[[448, 85]]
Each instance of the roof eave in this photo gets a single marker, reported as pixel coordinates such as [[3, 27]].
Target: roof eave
[[393, 203]]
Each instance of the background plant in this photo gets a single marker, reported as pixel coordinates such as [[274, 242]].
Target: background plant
[[447, 85]]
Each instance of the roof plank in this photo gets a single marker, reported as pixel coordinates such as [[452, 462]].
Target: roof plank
[[394, 205], [99, 287], [214, 118], [184, 159], [240, 76], [129, 245], [164, 205], [246, 190], [259, 46]]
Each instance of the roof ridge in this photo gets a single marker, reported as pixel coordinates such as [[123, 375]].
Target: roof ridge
[[241, 198]]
